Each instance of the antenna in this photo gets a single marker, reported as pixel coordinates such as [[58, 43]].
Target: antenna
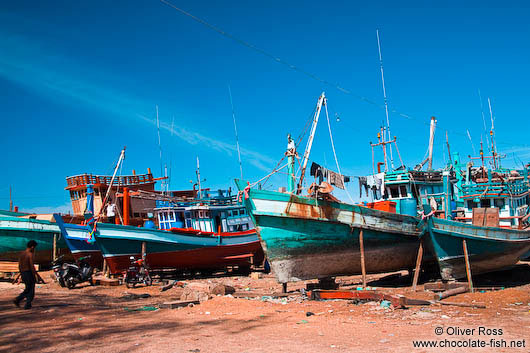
[[235, 129], [10, 200], [159, 146], [492, 134], [470, 140], [386, 101], [483, 117]]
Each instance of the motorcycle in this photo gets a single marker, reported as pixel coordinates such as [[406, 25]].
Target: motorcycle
[[138, 272], [58, 267], [79, 272]]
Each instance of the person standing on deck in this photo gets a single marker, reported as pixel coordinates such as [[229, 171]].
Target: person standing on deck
[[28, 274], [111, 211]]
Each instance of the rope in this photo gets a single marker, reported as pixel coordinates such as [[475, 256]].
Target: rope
[[334, 154]]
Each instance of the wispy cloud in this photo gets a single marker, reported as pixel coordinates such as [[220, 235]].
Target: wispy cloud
[[32, 65]]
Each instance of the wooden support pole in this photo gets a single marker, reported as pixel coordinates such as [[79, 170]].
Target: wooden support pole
[[363, 264], [54, 251], [105, 268], [284, 287], [144, 250], [418, 266], [468, 266]]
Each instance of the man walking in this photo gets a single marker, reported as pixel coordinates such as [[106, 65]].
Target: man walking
[[28, 274]]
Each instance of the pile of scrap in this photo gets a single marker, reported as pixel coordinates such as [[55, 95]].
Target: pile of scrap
[[195, 293]]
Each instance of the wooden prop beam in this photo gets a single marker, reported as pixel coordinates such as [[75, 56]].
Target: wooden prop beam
[[468, 266], [363, 264], [418, 266]]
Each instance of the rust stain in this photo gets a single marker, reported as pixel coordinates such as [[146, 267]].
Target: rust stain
[[307, 211]]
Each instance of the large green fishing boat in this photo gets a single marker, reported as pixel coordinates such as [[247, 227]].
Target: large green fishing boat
[[15, 232]]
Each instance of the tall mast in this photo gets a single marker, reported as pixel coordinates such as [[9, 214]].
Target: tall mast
[[235, 129], [159, 147], [321, 100], [198, 177], [492, 134], [386, 101], [431, 140], [10, 200], [120, 160]]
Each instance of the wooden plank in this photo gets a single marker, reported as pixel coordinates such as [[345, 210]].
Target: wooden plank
[[441, 286], [418, 266], [492, 217], [178, 304]]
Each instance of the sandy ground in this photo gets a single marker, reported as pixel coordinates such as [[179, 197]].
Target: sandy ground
[[97, 319]]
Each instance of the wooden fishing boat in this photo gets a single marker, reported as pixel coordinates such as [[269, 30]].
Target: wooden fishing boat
[[317, 236], [489, 248], [307, 238], [15, 232], [171, 250]]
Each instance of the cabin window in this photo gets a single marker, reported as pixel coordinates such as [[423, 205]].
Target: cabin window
[[499, 203], [471, 204], [235, 212], [403, 190], [96, 191], [394, 191], [242, 211], [485, 203], [231, 228], [244, 226], [200, 214]]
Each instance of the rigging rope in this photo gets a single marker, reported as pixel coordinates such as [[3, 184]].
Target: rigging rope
[[334, 154]]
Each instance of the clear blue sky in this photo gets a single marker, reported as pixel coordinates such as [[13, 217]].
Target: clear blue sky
[[80, 80]]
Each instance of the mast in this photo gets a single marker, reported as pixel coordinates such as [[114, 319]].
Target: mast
[[386, 103], [291, 155], [10, 200], [235, 129], [159, 146], [198, 172], [431, 140], [120, 160], [492, 132], [321, 100]]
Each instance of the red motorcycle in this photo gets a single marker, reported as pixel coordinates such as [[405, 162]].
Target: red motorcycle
[[138, 272]]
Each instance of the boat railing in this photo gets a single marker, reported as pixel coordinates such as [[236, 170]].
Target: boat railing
[[494, 188], [124, 180]]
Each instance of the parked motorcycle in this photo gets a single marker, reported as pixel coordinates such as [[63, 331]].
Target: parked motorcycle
[[58, 267], [138, 272], [79, 272]]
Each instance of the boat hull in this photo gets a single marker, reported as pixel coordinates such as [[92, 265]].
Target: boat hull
[[77, 239], [168, 250], [304, 238], [16, 232], [489, 249]]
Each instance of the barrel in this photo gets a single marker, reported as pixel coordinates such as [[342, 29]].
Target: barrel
[[408, 206]]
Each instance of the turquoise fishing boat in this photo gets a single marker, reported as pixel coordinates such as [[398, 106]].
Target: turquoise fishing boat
[[307, 238], [317, 236], [467, 208], [15, 232]]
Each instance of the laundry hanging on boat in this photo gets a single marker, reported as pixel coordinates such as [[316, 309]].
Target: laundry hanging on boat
[[363, 184], [332, 177]]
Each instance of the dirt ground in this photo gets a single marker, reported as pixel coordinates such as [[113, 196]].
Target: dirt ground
[[98, 319]]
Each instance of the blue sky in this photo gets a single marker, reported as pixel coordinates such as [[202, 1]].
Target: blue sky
[[80, 80]]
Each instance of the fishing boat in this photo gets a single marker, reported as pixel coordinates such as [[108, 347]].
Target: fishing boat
[[317, 236], [470, 214], [16, 232]]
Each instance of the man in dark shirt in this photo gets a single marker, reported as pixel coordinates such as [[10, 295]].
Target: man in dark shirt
[[28, 274]]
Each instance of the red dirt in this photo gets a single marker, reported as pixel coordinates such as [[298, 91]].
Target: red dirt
[[94, 319]]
